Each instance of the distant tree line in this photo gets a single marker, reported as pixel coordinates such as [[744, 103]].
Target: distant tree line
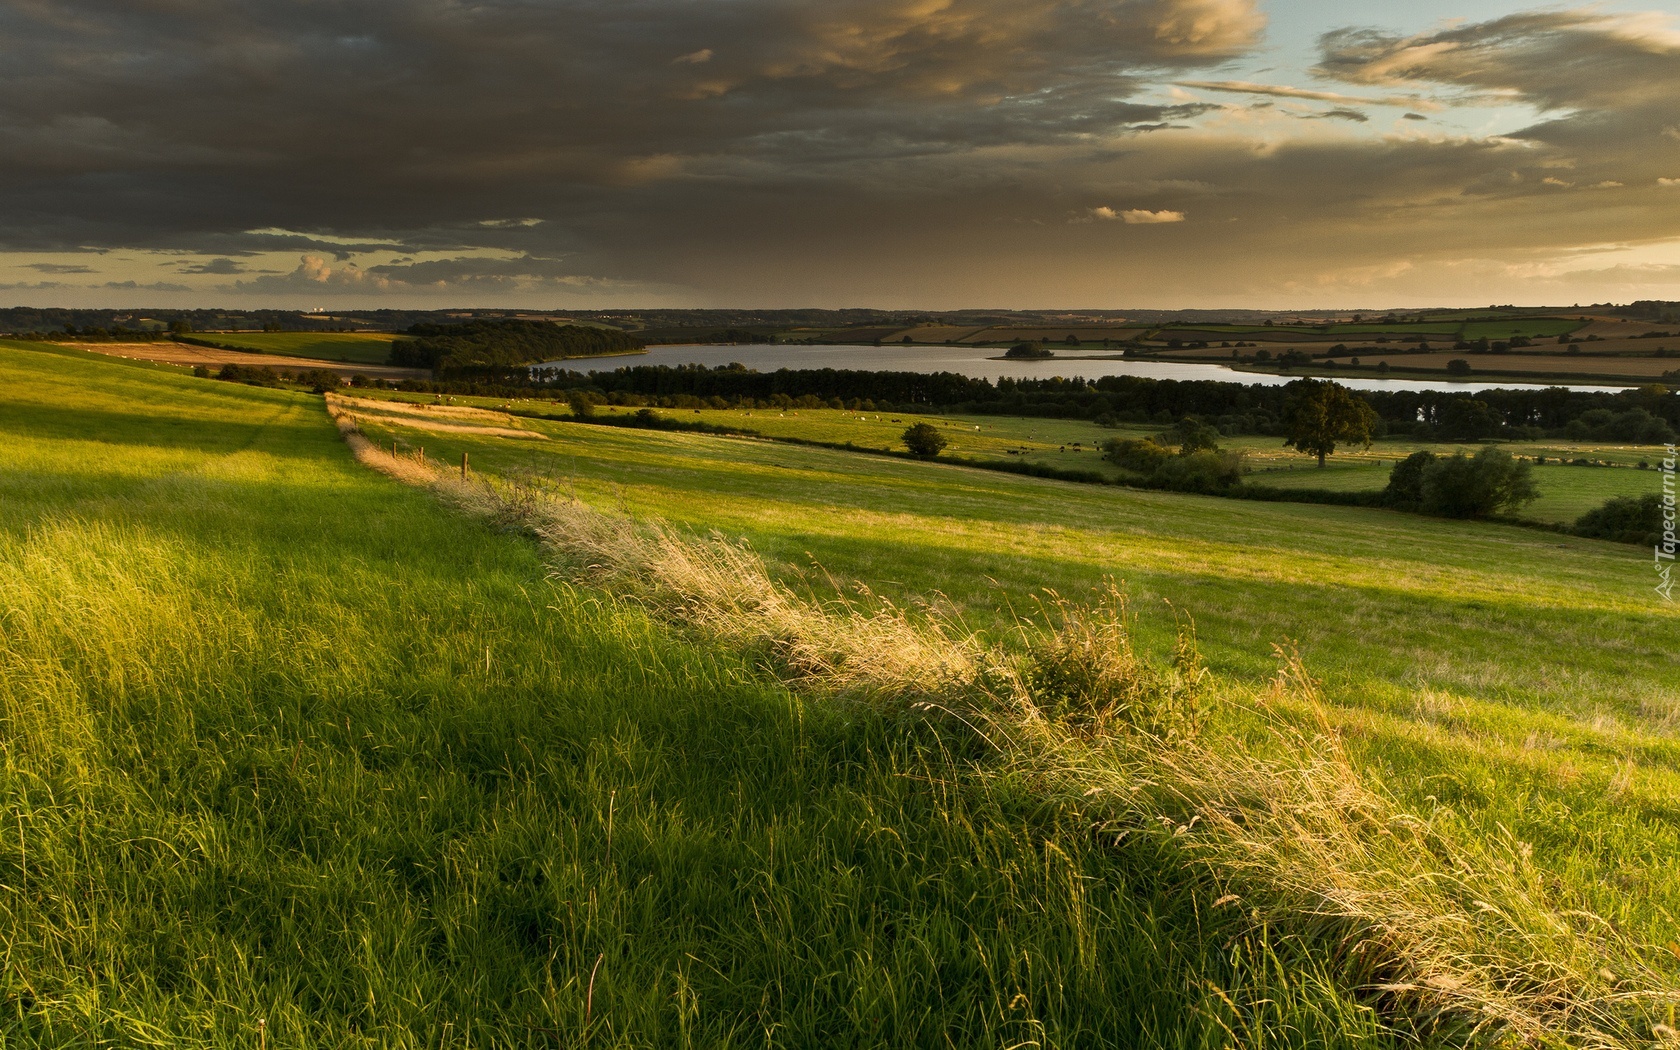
[[1648, 414], [320, 380], [71, 333], [494, 348]]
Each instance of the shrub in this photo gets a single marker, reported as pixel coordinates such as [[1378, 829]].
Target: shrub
[[1624, 519], [1141, 456], [1460, 486], [1209, 470], [1204, 470], [924, 440]]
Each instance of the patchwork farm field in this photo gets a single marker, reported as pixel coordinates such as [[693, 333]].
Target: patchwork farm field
[[298, 752]]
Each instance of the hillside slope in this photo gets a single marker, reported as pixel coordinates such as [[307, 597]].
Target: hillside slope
[[295, 755]]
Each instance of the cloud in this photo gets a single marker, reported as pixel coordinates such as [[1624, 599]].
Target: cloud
[[136, 286], [1246, 87], [162, 125], [1556, 60], [883, 151], [1139, 216], [317, 275], [216, 266], [58, 268]]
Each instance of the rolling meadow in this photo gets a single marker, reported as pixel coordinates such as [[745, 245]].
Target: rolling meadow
[[637, 738]]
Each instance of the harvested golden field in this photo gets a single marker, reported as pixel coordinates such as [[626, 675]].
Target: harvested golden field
[[192, 356]]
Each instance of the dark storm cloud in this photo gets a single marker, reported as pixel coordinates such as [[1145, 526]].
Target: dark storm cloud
[[136, 286], [216, 266], [187, 123], [813, 151]]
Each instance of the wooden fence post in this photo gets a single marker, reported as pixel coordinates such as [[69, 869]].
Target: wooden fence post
[[463, 466]]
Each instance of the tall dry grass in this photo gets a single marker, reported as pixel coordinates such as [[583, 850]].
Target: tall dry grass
[[1454, 936]]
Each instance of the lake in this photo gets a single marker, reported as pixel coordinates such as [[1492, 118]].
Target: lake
[[979, 363]]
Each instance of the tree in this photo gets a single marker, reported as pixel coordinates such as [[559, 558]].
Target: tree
[[1191, 435], [1405, 481], [1321, 414], [1469, 419], [580, 404], [924, 440]]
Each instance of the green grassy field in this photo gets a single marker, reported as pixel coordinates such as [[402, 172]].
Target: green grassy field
[[296, 752], [294, 755], [1533, 328], [1566, 492], [362, 348], [1525, 678]]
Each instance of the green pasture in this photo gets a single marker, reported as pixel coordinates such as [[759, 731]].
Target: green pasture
[[1566, 491], [1524, 677], [362, 348], [293, 755], [1532, 327]]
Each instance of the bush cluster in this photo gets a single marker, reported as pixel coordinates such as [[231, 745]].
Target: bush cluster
[[1460, 486], [1624, 519], [1186, 458], [319, 380]]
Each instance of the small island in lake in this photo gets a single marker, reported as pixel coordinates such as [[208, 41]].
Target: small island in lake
[[1029, 352]]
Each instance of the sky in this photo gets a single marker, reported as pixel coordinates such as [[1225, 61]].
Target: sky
[[933, 154]]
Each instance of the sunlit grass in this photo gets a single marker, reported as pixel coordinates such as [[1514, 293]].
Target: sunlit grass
[[1526, 679], [293, 754]]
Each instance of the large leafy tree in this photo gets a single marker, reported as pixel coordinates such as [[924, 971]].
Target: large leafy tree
[[1321, 415]]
